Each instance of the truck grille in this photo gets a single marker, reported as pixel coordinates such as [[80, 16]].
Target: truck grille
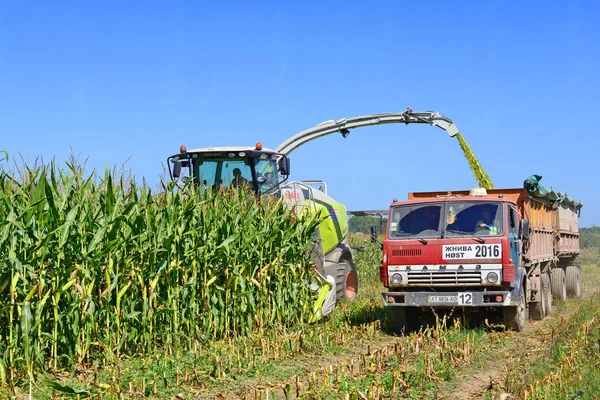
[[444, 277], [406, 253]]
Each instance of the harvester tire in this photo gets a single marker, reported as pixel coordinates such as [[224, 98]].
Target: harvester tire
[[346, 281], [515, 317], [559, 284], [573, 281]]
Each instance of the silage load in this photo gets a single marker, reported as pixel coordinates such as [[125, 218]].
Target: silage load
[[102, 267]]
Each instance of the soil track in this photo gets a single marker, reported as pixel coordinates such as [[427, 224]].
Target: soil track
[[482, 377], [488, 375]]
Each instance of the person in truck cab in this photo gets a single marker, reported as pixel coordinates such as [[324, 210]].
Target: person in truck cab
[[487, 222]]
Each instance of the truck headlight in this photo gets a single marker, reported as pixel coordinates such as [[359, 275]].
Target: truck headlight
[[492, 277], [396, 279]]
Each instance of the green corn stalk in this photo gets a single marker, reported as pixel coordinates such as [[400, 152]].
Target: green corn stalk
[[107, 266], [26, 322]]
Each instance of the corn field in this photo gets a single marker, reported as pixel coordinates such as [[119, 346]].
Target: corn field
[[92, 268]]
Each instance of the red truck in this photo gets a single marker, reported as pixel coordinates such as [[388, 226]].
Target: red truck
[[512, 250]]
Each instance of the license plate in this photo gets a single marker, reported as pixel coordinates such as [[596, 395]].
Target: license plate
[[461, 299], [442, 299]]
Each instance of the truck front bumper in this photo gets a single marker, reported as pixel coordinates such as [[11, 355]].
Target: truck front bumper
[[449, 299]]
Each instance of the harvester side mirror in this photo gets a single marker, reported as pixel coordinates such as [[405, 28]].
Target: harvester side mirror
[[284, 166], [176, 169], [524, 229]]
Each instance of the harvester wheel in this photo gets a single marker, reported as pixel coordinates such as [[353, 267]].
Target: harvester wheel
[[573, 281], [559, 284], [346, 281], [516, 316]]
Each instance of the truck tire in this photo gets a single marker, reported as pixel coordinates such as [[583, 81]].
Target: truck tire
[[559, 284], [547, 294], [403, 320], [346, 281], [573, 281], [537, 311], [398, 320], [516, 316]]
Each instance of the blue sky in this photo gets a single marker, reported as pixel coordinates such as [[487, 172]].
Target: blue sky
[[135, 80]]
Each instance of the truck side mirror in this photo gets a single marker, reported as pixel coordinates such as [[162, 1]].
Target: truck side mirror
[[524, 229], [176, 169], [373, 234], [284, 166]]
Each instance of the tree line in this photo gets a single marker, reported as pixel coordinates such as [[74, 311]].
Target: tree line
[[589, 237]]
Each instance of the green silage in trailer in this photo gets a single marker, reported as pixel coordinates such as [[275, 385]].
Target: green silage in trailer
[[91, 269]]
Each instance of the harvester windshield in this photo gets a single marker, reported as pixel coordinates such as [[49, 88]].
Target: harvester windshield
[[226, 167]]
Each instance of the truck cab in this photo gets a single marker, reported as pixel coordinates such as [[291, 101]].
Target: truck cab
[[453, 250]]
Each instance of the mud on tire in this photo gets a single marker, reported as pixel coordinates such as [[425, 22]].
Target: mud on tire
[[346, 281], [559, 285], [573, 278], [515, 317]]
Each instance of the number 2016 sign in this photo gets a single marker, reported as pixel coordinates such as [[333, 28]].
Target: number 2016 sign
[[471, 252]]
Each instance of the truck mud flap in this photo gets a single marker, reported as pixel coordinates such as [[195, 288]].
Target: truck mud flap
[[449, 299]]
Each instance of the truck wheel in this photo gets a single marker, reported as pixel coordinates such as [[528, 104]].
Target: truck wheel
[[547, 294], [346, 281], [515, 316], [537, 311], [573, 281], [399, 320], [403, 319], [559, 285]]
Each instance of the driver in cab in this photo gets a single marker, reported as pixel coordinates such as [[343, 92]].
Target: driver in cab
[[238, 180], [487, 223]]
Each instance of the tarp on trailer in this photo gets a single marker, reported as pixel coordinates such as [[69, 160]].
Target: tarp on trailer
[[533, 186]]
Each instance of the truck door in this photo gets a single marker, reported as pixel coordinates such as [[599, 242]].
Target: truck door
[[513, 237]]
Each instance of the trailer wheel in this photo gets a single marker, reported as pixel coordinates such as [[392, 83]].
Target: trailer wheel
[[573, 281], [559, 285], [547, 293], [537, 310], [515, 316], [346, 281]]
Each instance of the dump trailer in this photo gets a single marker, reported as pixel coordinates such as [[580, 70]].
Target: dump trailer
[[485, 251]]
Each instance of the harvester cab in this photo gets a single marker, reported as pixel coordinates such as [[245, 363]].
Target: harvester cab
[[256, 168]]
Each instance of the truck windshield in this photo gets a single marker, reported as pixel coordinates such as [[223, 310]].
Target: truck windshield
[[474, 219], [416, 221]]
